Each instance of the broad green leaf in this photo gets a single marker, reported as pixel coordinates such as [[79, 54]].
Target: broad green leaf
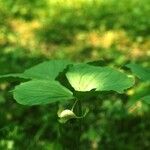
[[146, 99], [85, 78], [141, 72], [46, 70], [38, 92]]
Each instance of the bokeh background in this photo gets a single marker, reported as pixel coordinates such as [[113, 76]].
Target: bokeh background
[[116, 31]]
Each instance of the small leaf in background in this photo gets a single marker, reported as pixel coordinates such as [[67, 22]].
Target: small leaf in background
[[84, 77], [41, 92], [146, 99], [141, 72]]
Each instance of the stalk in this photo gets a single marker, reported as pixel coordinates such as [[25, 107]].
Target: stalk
[[78, 124], [71, 140]]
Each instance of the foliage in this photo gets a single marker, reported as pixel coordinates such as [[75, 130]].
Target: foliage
[[57, 28], [44, 89], [144, 75], [114, 32], [82, 77], [23, 8]]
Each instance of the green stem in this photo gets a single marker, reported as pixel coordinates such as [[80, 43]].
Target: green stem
[[78, 124], [61, 135]]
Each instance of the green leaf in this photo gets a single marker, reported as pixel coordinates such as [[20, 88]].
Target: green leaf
[[146, 99], [12, 77], [47, 70], [84, 77], [141, 72], [38, 92]]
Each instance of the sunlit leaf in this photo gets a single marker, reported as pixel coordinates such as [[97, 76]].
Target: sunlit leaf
[[41, 92], [85, 78]]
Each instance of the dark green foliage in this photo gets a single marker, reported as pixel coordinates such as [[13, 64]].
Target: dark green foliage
[[113, 32]]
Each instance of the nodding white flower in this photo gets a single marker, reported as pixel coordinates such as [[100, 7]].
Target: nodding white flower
[[67, 113]]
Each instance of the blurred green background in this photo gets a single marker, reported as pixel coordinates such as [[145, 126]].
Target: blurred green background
[[117, 32]]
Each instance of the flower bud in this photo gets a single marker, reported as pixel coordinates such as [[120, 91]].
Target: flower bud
[[68, 114]]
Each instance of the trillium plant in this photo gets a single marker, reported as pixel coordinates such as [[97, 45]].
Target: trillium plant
[[63, 81]]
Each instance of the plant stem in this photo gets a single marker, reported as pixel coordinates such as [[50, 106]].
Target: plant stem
[[78, 124], [75, 127]]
